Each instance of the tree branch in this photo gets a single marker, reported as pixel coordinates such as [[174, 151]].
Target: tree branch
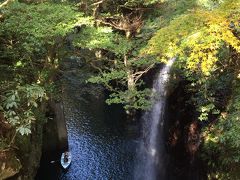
[[116, 26], [97, 3], [5, 3], [95, 67], [139, 74]]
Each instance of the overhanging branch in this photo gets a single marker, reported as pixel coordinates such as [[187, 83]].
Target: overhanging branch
[[139, 74]]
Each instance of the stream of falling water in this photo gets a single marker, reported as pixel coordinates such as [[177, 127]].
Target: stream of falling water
[[151, 157]]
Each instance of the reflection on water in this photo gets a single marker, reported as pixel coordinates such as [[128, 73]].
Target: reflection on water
[[97, 140], [100, 144]]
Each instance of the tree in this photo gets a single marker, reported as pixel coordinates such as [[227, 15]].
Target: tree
[[116, 39], [206, 42], [32, 37], [196, 39]]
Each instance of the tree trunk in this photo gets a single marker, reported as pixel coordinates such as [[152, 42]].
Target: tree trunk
[[131, 87]]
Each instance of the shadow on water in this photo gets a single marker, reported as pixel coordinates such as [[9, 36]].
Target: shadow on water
[[104, 147], [101, 145]]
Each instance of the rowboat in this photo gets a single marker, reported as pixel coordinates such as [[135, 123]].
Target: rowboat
[[66, 159]]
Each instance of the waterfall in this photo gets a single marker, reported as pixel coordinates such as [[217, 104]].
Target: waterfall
[[151, 158]]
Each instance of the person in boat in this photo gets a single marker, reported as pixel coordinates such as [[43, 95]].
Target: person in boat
[[65, 157]]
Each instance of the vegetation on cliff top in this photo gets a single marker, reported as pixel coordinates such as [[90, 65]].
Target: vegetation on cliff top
[[121, 42]]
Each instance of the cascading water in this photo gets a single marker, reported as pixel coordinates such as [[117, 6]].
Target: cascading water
[[151, 160]]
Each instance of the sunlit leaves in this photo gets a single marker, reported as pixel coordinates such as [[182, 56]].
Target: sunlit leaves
[[140, 99], [196, 37], [206, 110], [33, 28], [199, 39], [210, 4], [108, 77], [23, 130], [102, 37], [12, 98], [30, 35], [142, 2]]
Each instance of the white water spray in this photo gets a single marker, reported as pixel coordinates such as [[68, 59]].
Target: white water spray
[[151, 154]]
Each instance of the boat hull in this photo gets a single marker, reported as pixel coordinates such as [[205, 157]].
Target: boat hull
[[65, 165]]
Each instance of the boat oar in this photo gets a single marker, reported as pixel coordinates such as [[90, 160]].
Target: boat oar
[[54, 161]]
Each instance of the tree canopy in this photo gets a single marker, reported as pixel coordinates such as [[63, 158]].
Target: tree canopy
[[121, 42]]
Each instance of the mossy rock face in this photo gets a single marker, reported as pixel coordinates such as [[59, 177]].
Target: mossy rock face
[[29, 151], [9, 164]]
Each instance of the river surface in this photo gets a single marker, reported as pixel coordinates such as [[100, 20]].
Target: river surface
[[101, 144]]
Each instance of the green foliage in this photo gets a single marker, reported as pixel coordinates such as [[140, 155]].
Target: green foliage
[[102, 38], [221, 145], [33, 27], [107, 77], [199, 33], [19, 104], [139, 98], [121, 66], [142, 2], [210, 4], [202, 35], [31, 37], [197, 39]]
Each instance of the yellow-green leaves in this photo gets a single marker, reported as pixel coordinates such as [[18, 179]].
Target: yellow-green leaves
[[196, 38]]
